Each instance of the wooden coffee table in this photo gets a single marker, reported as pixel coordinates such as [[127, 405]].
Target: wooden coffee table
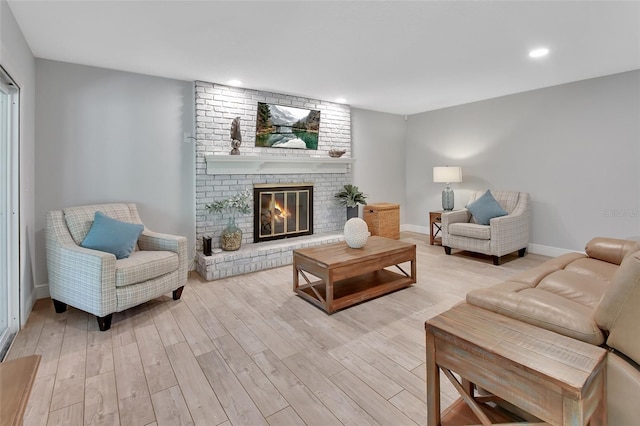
[[348, 276]]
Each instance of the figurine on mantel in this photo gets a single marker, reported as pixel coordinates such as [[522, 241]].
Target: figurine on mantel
[[236, 137]]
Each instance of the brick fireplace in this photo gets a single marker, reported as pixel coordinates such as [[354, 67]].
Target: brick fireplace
[[219, 175]]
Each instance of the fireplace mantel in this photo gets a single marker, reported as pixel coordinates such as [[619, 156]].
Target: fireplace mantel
[[252, 165]]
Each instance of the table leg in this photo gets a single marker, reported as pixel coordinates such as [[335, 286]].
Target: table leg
[[328, 282], [414, 275], [468, 387], [433, 383], [296, 283]]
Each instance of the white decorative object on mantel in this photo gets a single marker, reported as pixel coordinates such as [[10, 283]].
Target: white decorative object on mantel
[[251, 165], [356, 233]]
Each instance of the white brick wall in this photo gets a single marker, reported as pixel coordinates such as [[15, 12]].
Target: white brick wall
[[216, 107]]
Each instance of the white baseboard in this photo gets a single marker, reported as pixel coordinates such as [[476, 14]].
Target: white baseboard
[[42, 291], [414, 228], [547, 250], [26, 312]]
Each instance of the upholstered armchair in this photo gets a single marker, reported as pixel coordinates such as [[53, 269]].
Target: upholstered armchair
[[501, 236], [101, 283]]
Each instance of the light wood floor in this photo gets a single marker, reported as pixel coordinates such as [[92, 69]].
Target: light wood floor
[[247, 351]]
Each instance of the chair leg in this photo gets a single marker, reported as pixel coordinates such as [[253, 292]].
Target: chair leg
[[496, 260], [177, 293], [59, 306], [521, 252], [104, 323], [447, 250]]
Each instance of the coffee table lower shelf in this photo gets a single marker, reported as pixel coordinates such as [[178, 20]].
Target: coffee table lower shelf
[[350, 291], [459, 414]]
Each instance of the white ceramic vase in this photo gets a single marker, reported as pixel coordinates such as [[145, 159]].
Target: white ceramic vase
[[356, 232]]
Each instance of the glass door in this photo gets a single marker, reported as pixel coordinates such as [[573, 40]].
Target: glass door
[[9, 224]]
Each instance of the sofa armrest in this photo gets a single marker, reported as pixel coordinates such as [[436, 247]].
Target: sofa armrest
[[611, 250], [448, 218], [457, 216], [505, 225], [509, 233], [150, 240], [81, 277]]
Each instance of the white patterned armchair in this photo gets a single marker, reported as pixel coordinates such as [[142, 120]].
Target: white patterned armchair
[[503, 235], [95, 281]]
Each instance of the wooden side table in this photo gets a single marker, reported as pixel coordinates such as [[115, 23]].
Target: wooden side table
[[557, 379], [435, 223]]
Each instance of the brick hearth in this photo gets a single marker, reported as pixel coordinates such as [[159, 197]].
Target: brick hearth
[[256, 257]]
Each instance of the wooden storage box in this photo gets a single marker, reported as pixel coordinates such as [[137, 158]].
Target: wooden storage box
[[383, 219]]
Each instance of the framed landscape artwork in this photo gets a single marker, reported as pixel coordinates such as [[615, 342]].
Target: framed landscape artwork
[[279, 126]]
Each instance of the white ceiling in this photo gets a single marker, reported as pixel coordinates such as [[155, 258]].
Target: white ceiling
[[401, 57]]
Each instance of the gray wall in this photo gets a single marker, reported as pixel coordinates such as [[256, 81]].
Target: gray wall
[[18, 61], [575, 148], [111, 136], [378, 146]]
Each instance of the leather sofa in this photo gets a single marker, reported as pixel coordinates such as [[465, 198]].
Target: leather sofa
[[593, 297]]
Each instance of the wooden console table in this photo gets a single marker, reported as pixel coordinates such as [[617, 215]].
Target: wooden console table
[[559, 380], [348, 276]]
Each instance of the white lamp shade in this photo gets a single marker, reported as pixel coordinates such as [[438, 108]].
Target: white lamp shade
[[447, 174]]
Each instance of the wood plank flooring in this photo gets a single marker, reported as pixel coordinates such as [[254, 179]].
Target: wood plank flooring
[[247, 351]]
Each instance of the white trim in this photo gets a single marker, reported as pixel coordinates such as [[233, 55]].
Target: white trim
[[251, 165], [11, 214], [42, 291], [414, 228], [548, 250]]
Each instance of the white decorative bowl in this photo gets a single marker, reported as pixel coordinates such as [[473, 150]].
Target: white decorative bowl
[[356, 232]]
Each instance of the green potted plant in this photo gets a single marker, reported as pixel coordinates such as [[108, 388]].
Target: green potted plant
[[231, 238], [350, 197]]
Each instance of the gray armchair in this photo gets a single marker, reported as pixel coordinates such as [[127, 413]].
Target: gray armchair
[[502, 236], [98, 283]]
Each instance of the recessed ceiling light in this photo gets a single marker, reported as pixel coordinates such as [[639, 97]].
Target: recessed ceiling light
[[539, 52], [341, 100], [234, 83]]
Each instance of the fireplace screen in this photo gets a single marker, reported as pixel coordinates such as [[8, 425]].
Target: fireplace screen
[[282, 211]]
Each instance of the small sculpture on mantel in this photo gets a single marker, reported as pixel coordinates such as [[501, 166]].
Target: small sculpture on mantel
[[236, 137]]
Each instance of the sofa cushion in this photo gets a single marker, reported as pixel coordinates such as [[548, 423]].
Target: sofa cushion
[[595, 268], [112, 236], [145, 265], [485, 208], [80, 219], [533, 276], [471, 230], [583, 289], [541, 308]]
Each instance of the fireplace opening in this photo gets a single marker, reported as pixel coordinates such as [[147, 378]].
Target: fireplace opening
[[282, 211]]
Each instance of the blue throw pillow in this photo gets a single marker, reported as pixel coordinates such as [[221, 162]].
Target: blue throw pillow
[[486, 208], [112, 236]]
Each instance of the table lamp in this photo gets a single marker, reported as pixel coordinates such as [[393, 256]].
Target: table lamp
[[447, 175]]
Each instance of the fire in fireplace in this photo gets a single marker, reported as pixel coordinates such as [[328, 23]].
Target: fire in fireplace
[[282, 211]]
